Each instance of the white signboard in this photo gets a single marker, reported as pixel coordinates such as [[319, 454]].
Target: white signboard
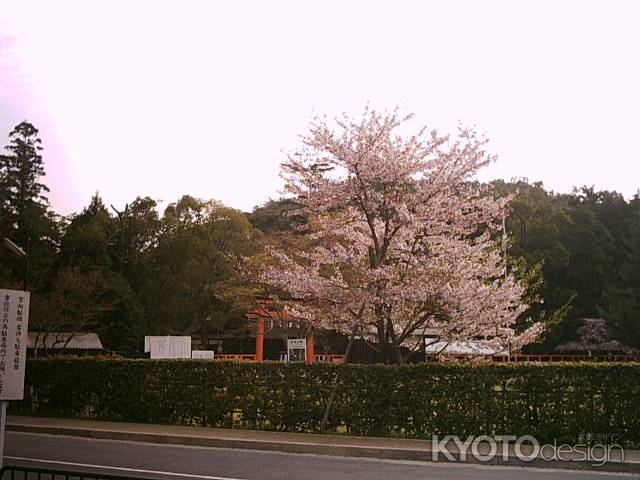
[[168, 347], [296, 349], [296, 343], [203, 354], [13, 342]]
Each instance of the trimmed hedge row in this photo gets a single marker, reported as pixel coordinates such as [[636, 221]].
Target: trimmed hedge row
[[550, 401]]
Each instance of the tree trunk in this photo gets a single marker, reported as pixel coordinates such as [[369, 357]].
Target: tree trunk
[[382, 342], [397, 354], [388, 341], [347, 352]]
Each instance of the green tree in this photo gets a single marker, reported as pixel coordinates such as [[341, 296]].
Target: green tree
[[25, 217], [196, 273], [536, 253], [76, 304], [90, 300], [535, 226], [276, 216], [577, 238], [135, 236], [87, 239], [594, 261], [621, 303]]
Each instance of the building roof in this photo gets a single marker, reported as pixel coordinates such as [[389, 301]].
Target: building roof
[[461, 347], [59, 340], [427, 332], [195, 327]]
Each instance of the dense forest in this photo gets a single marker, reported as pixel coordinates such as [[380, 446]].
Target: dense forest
[[129, 270]]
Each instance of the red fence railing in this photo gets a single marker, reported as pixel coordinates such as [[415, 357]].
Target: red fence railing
[[566, 358], [539, 358], [331, 358], [236, 357]]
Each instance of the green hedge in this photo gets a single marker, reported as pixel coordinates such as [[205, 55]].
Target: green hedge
[[549, 401]]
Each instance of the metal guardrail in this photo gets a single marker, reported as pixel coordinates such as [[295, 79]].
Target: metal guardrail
[[11, 472]]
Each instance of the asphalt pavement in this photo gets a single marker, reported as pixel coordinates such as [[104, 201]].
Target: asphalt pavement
[[158, 461]]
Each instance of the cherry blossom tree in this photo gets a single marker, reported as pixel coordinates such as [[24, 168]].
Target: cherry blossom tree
[[398, 237]]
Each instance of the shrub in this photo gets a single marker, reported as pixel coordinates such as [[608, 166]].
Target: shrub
[[562, 401]]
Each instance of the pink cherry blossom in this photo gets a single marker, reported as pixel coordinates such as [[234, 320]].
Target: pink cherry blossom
[[399, 237]]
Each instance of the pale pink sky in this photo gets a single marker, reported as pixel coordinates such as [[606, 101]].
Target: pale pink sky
[[166, 98]]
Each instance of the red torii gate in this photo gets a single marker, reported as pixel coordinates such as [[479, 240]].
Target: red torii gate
[[262, 312]]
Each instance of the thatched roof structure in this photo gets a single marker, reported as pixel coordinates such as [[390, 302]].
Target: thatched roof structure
[[593, 337]]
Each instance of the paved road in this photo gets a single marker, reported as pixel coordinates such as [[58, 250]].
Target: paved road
[[199, 463]]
